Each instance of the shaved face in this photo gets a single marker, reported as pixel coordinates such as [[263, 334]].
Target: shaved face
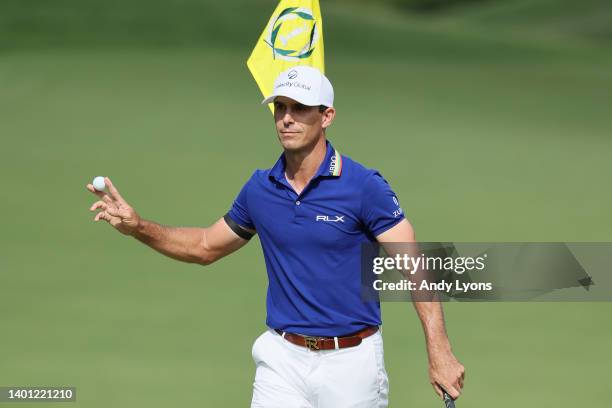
[[299, 126]]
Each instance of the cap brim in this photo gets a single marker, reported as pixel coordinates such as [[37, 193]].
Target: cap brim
[[268, 100]]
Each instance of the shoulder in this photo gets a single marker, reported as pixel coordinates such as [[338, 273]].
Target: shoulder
[[258, 176], [261, 178], [357, 174]]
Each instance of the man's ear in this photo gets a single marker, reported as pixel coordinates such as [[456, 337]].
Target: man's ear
[[328, 117]]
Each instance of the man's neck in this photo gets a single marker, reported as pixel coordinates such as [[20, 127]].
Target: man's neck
[[301, 166]]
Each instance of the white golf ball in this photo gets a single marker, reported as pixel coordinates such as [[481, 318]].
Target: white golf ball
[[99, 183]]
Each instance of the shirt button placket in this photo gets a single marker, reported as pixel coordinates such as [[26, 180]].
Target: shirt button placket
[[297, 211]]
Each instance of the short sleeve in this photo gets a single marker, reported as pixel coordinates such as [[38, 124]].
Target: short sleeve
[[239, 212], [380, 208]]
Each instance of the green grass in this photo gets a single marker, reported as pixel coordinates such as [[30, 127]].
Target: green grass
[[483, 137]]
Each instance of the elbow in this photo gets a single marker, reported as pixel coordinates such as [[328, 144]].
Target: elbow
[[206, 262], [205, 253], [206, 259]]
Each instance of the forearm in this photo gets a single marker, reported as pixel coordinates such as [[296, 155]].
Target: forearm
[[184, 244], [432, 319], [445, 372]]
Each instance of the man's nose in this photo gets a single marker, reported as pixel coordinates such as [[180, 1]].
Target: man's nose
[[287, 118]]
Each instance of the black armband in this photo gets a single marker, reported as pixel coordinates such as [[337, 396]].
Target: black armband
[[240, 231]]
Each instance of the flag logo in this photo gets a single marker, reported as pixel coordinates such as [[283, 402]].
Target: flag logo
[[292, 34]]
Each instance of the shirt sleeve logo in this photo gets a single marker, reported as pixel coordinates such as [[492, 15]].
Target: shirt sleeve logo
[[399, 211]]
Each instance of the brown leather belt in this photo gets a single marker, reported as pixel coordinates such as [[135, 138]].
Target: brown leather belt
[[328, 343]]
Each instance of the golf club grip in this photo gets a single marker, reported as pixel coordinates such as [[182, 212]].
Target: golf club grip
[[448, 401]]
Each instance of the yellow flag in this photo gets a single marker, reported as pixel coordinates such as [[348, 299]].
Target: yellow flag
[[293, 36]]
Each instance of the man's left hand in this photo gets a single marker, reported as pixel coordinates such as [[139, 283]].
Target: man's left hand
[[447, 372]]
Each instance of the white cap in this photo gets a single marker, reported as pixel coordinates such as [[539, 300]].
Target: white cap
[[304, 84]]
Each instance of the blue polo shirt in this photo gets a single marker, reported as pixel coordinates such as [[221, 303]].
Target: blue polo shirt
[[312, 242]]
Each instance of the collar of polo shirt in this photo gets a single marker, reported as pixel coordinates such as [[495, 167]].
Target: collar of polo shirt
[[330, 167]]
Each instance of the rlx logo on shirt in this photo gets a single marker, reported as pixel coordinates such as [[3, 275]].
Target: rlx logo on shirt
[[327, 218]]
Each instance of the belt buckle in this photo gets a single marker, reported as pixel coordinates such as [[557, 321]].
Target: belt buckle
[[311, 343]]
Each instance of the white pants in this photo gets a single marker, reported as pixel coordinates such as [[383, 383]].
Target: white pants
[[291, 376]]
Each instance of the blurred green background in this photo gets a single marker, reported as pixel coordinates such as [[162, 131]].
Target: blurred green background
[[491, 120]]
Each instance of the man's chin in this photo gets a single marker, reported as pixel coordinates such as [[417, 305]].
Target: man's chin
[[291, 144], [297, 143]]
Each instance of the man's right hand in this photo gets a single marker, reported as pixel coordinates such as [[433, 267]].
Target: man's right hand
[[114, 209]]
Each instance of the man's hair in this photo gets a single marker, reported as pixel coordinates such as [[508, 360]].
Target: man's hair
[[322, 108]]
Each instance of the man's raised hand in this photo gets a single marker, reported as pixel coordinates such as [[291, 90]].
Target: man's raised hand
[[114, 209]]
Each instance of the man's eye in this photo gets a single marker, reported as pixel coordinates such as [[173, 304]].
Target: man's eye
[[300, 107]]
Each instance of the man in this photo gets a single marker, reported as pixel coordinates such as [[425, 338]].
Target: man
[[312, 210]]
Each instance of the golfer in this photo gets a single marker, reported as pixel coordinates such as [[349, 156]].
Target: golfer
[[312, 210]]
